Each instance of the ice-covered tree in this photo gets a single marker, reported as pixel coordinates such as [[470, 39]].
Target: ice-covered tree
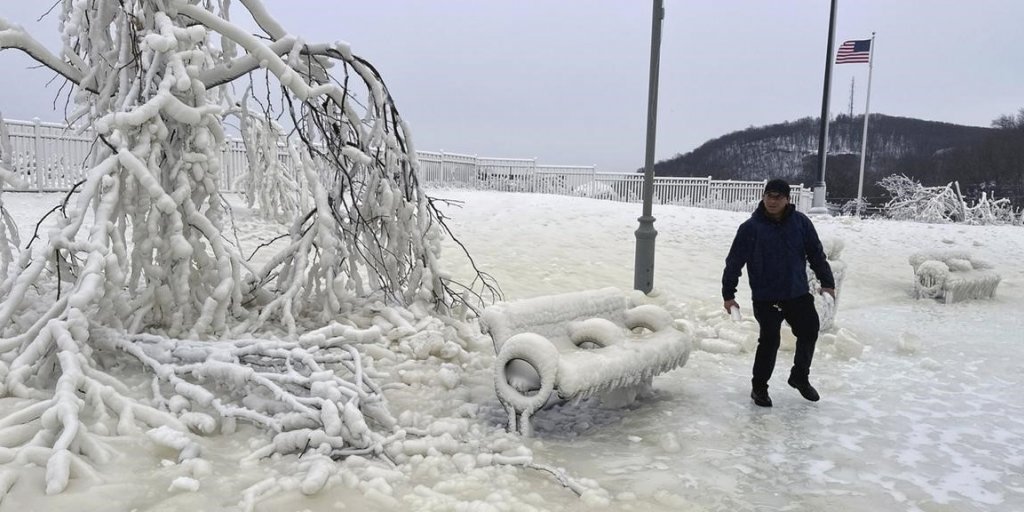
[[140, 268]]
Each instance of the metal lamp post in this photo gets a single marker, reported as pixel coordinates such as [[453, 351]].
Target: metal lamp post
[[818, 203], [643, 270]]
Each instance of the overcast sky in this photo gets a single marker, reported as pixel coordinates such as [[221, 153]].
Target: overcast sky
[[566, 81]]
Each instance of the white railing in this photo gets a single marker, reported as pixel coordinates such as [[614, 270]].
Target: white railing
[[46, 156], [525, 175], [53, 157]]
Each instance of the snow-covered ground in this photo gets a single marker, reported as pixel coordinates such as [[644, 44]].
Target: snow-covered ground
[[928, 417]]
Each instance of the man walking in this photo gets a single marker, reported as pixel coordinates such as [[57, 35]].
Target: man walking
[[775, 245]]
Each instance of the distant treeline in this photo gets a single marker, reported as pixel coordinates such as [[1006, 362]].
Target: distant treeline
[[933, 153]]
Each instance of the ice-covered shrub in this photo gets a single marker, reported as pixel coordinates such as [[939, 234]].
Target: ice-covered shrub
[[596, 190], [915, 202], [854, 207], [993, 211]]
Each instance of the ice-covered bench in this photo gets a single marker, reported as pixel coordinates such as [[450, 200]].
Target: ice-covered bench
[[952, 276], [575, 345]]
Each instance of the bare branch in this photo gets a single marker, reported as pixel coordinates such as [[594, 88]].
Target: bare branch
[[15, 37]]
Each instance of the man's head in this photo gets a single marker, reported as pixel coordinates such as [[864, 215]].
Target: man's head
[[776, 197]]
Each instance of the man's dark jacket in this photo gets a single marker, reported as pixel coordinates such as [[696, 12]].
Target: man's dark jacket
[[776, 254]]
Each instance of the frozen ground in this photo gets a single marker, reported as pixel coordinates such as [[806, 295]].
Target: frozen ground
[[929, 417]]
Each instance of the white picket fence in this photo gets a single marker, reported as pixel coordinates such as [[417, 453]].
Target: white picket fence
[[53, 157]]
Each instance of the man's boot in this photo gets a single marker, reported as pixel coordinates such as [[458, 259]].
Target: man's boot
[[761, 398], [804, 387]]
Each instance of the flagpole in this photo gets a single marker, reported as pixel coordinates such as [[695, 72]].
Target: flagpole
[[864, 136]]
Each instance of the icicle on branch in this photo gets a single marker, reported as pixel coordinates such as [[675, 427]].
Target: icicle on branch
[[268, 183]]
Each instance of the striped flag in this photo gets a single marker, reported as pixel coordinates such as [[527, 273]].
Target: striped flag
[[853, 52]]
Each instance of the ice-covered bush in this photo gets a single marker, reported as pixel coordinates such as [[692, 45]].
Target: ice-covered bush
[[854, 207], [596, 190], [915, 202], [993, 211]]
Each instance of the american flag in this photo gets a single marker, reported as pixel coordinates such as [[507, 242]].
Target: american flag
[[855, 51]]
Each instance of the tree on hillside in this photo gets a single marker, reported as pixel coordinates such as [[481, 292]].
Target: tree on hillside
[[141, 266], [1010, 121]]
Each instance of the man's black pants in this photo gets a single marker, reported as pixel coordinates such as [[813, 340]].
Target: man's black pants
[[803, 319]]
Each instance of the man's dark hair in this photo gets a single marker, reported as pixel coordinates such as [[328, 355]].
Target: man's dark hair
[[777, 186]]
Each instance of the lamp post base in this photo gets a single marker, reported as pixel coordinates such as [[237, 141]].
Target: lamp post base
[[643, 273], [818, 205]]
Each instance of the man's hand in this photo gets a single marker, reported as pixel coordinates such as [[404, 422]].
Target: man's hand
[[830, 291], [729, 304]]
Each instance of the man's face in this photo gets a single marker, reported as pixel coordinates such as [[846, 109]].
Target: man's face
[[775, 203]]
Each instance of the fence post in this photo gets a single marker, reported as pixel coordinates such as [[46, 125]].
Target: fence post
[[446, 176], [37, 129], [226, 163], [6, 151], [533, 179], [478, 183]]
